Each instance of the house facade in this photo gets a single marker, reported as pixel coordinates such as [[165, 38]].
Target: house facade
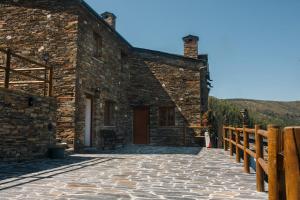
[[104, 85]]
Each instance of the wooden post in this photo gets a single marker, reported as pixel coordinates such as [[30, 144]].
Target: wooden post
[[259, 154], [230, 143], [7, 68], [246, 146], [224, 137], [273, 134], [237, 150], [50, 89], [292, 162]]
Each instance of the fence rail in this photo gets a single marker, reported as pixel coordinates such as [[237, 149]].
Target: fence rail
[[282, 165], [47, 79]]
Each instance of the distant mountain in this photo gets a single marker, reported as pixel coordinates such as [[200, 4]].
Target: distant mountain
[[260, 111]]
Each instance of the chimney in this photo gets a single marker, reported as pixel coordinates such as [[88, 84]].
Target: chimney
[[191, 46], [110, 19]]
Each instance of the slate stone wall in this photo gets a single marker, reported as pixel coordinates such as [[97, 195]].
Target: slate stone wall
[[66, 30], [159, 80], [103, 78], [26, 130], [32, 28]]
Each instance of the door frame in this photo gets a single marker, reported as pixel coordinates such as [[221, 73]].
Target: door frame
[[148, 123], [89, 96]]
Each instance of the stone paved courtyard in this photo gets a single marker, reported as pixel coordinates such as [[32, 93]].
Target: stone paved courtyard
[[131, 173]]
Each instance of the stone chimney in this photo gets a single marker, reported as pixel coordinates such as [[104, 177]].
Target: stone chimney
[[191, 46], [110, 19]]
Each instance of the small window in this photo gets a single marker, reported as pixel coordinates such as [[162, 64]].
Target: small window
[[167, 116], [98, 45], [109, 113]]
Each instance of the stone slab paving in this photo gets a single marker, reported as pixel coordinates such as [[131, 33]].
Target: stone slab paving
[[135, 172]]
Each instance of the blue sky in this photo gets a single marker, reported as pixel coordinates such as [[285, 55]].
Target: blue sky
[[253, 45]]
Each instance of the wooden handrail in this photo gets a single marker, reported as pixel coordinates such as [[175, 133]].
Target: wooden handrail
[[8, 51], [263, 133], [27, 75], [48, 72], [273, 168], [264, 165]]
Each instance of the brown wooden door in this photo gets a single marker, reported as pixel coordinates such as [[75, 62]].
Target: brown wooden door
[[141, 125]]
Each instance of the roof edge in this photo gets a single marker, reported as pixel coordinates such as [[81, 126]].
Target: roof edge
[[97, 15], [141, 50]]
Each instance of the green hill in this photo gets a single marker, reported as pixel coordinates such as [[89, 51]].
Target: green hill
[[260, 112]]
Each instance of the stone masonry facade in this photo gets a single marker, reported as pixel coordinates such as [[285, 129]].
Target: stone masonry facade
[[92, 60], [27, 129]]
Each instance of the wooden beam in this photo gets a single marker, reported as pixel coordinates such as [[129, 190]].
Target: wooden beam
[[292, 162], [259, 154], [240, 146], [251, 131], [237, 142], [224, 139], [27, 75], [246, 146], [230, 143], [251, 153], [264, 165], [31, 69], [273, 135], [263, 133], [23, 82]]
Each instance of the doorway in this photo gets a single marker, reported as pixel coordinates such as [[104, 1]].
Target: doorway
[[88, 122], [141, 125]]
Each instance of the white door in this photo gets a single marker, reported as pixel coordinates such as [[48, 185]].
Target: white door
[[88, 122]]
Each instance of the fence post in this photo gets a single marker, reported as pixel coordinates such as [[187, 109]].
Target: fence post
[[224, 139], [7, 68], [237, 150], [230, 143], [259, 154], [292, 162], [246, 146], [273, 135]]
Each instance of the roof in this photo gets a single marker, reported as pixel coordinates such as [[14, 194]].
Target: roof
[[93, 12], [201, 58]]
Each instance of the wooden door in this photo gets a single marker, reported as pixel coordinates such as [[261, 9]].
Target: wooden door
[[141, 125], [88, 123]]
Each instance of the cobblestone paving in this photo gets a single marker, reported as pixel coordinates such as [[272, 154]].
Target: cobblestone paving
[[133, 173]]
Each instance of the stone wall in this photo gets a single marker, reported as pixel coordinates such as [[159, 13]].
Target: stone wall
[[159, 79], [26, 130], [33, 27], [66, 30], [102, 78]]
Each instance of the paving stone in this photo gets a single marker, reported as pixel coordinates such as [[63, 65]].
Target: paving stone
[[124, 174]]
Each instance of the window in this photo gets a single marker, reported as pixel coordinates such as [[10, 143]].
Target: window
[[109, 113], [98, 45], [167, 116]]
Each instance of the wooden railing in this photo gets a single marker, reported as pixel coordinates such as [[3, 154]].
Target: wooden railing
[[46, 80], [282, 163]]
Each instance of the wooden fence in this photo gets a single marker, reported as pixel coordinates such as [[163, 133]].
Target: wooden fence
[[46, 80], [281, 164]]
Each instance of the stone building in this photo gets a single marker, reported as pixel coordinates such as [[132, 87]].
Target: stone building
[[104, 85]]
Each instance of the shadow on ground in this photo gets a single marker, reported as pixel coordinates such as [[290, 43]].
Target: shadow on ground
[[16, 174], [147, 149]]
